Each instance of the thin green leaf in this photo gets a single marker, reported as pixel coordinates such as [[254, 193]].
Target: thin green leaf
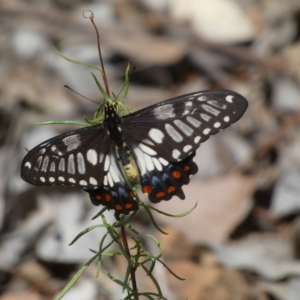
[[176, 276], [125, 219], [99, 213], [103, 92], [119, 282], [84, 232], [173, 216], [157, 244], [126, 87], [75, 278], [65, 122], [154, 281], [131, 228], [152, 219], [77, 62]]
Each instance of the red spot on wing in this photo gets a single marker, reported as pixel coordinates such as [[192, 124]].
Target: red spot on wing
[[118, 207], [171, 189], [107, 197], [128, 205], [146, 189], [176, 174], [132, 195], [186, 168], [98, 197], [160, 194]]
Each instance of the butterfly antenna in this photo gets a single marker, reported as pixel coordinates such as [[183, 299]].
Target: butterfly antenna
[[81, 94], [103, 73]]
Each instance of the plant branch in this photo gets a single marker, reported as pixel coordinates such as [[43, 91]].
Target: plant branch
[[132, 270]]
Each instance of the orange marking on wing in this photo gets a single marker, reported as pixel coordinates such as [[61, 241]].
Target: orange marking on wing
[[186, 168], [107, 197], [98, 197], [146, 189], [118, 207], [132, 195], [128, 205], [160, 194], [171, 189], [176, 174]]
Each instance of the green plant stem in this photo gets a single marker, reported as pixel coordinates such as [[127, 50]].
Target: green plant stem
[[125, 244]]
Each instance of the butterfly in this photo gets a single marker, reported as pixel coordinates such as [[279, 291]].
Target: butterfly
[[153, 147]]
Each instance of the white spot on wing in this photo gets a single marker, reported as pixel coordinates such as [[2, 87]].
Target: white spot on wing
[[194, 122], [176, 153], [217, 124], [147, 150], [42, 179], [148, 162], [187, 130], [93, 181], [114, 173], [206, 131], [72, 180], [205, 117], [202, 98], [72, 142], [164, 112], [140, 160], [197, 139], [52, 167], [173, 133], [45, 164], [211, 110], [101, 156], [61, 165], [229, 98], [38, 163], [157, 164], [60, 178], [163, 161], [91, 156], [80, 163], [51, 179], [71, 164], [217, 104], [42, 151], [187, 148], [148, 142], [105, 180], [110, 181], [226, 119], [28, 165], [83, 182], [156, 135], [107, 163]]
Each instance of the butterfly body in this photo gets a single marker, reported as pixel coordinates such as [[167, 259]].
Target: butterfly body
[[154, 146]]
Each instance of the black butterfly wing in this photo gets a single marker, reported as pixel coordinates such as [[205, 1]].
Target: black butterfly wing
[[72, 158], [163, 137], [84, 158], [175, 128]]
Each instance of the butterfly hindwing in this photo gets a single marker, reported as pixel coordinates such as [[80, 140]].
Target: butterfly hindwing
[[115, 192], [163, 180]]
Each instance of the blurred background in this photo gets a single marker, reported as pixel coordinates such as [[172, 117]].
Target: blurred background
[[243, 239]]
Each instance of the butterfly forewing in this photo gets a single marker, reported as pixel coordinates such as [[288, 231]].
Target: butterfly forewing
[[175, 128], [79, 158]]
